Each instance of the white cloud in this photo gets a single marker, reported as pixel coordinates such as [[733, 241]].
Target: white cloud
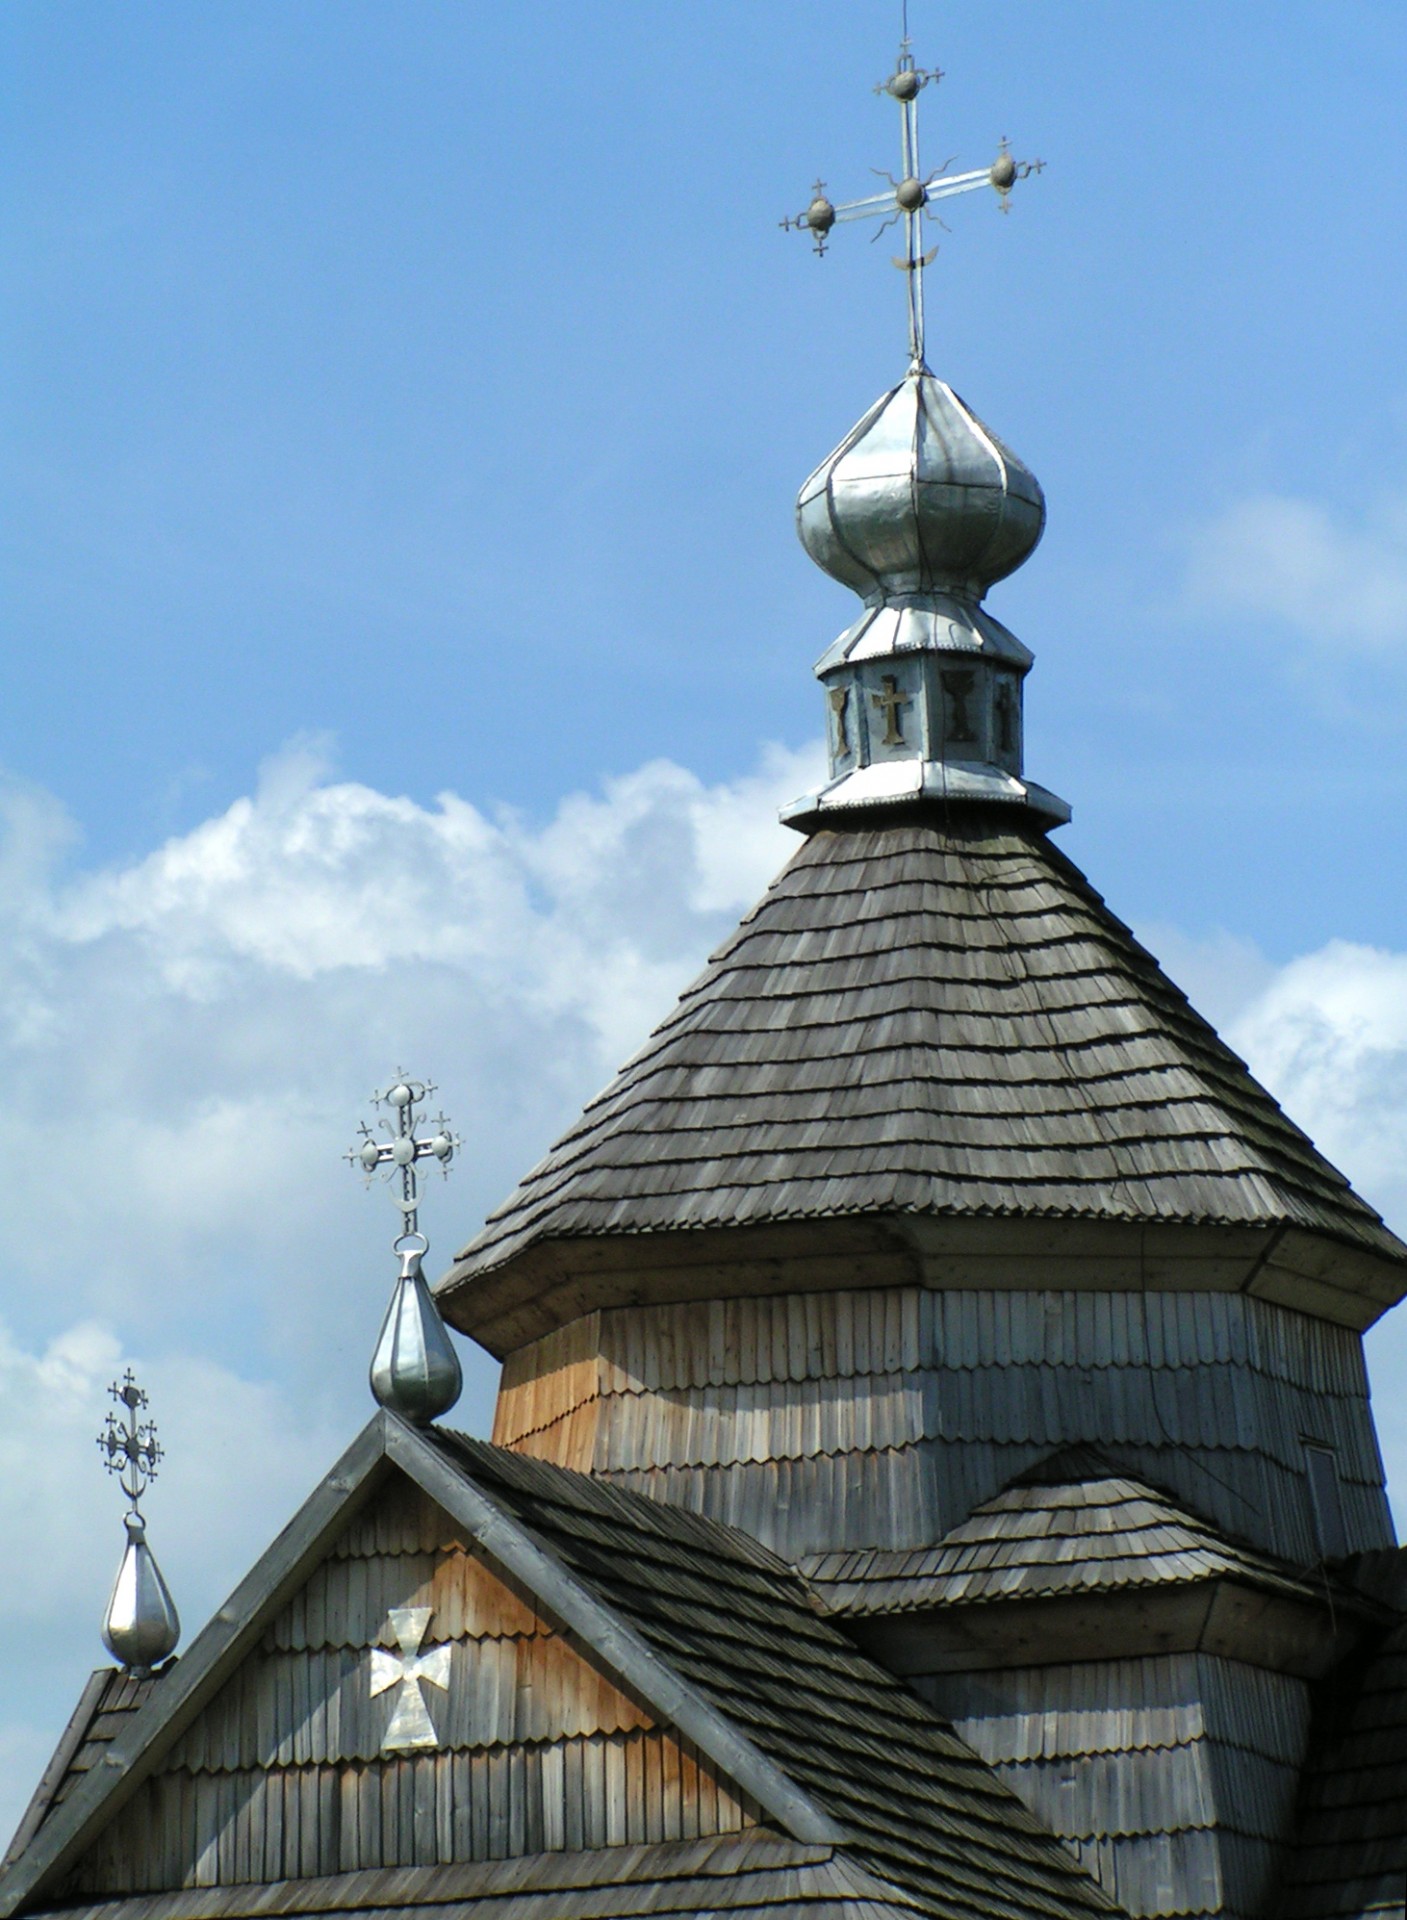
[[1340, 587], [1328, 1034], [188, 1039]]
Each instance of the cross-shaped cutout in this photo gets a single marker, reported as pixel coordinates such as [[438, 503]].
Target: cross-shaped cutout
[[892, 702], [411, 1725]]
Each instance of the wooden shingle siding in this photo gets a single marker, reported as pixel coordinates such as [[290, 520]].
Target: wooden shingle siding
[[942, 1020], [197, 1829], [755, 1876], [841, 1421], [1172, 1778], [1350, 1862]]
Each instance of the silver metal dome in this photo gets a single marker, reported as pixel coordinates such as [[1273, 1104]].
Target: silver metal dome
[[920, 497]]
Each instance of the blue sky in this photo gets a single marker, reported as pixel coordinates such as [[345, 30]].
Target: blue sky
[[407, 645]]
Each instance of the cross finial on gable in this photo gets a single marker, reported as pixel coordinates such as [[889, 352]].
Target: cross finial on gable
[[129, 1445], [141, 1626], [414, 1370], [403, 1149]]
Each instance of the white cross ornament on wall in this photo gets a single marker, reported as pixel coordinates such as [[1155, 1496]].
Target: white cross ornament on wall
[[411, 1726]]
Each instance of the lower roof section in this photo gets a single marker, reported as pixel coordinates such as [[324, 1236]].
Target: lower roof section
[[753, 1876], [923, 1026]]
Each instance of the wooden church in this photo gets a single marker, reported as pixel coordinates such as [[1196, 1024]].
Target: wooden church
[[933, 1471]]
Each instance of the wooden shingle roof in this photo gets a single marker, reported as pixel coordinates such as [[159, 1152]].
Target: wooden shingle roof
[[928, 1019], [751, 1876], [921, 1811], [1074, 1526], [104, 1707]]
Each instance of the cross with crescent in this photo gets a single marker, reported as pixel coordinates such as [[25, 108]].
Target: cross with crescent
[[910, 196], [129, 1445], [403, 1149]]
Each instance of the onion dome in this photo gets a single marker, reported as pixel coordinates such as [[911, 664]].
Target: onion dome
[[920, 495], [919, 510]]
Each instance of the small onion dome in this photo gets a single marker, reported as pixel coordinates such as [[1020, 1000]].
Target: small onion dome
[[920, 497]]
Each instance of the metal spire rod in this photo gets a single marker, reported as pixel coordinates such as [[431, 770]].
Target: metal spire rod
[[909, 197]]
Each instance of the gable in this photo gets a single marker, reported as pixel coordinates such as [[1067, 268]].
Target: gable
[[695, 1686], [304, 1762]]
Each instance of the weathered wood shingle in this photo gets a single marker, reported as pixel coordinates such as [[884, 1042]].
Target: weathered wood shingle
[[1075, 1526], [755, 1876], [928, 1019], [1351, 1859], [923, 1812]]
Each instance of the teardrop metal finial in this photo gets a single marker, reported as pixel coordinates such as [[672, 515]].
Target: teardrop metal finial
[[141, 1626], [415, 1370]]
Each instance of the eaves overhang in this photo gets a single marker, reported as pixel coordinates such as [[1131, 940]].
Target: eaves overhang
[[554, 1280], [1227, 1616]]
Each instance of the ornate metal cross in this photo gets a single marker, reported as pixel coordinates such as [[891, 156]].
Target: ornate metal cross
[[129, 1445], [411, 1726], [912, 194], [403, 1149]]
